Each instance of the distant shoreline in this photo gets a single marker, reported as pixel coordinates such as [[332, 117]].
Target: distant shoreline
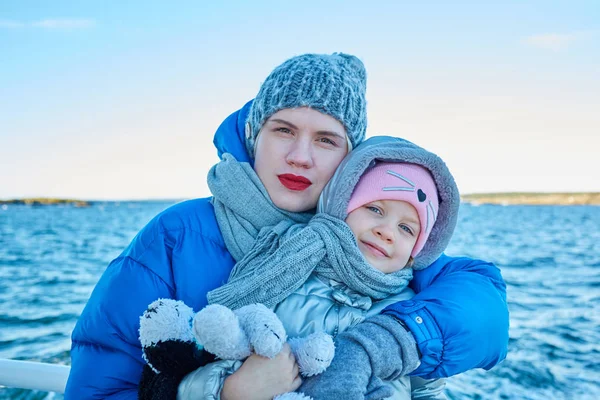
[[44, 201], [563, 199], [560, 199]]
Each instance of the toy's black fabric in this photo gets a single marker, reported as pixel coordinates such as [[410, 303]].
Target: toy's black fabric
[[174, 359]]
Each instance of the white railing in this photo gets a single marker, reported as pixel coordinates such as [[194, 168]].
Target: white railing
[[33, 375]]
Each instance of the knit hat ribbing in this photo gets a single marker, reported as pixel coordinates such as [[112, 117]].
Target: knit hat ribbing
[[332, 84], [407, 182]]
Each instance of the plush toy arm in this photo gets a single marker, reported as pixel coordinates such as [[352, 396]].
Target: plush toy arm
[[218, 330], [234, 335], [265, 331], [313, 353]]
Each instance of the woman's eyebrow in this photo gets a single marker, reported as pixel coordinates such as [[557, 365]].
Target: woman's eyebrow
[[282, 121], [332, 133], [325, 133]]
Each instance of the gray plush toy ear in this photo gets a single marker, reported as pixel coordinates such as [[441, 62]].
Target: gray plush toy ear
[[263, 328], [313, 353], [218, 330]]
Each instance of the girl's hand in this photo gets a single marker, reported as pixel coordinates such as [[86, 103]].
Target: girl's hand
[[261, 378]]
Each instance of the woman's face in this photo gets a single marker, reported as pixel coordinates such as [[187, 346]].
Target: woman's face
[[297, 152]]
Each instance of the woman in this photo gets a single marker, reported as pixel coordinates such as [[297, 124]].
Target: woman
[[309, 114]]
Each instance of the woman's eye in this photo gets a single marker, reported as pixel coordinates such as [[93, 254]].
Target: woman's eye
[[327, 141], [374, 209], [284, 130], [406, 228]]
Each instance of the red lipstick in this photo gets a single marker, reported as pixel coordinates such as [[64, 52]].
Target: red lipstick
[[294, 182]]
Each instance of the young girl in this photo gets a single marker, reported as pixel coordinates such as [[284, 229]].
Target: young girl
[[400, 204]]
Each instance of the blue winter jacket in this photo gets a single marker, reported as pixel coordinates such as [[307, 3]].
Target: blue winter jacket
[[459, 316]]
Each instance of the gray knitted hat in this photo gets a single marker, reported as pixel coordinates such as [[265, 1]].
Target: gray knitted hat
[[332, 84]]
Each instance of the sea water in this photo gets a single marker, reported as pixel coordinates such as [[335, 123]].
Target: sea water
[[51, 258]]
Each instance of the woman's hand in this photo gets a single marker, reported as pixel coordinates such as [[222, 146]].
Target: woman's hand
[[261, 378]]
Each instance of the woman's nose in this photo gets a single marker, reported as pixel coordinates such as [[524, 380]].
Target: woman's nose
[[300, 154]]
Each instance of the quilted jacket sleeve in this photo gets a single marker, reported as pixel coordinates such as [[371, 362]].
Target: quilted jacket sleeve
[[105, 353], [207, 382], [427, 389], [459, 316], [170, 258]]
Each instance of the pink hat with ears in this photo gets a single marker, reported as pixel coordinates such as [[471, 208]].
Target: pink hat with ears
[[400, 181]]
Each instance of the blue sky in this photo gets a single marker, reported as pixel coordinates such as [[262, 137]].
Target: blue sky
[[120, 100]]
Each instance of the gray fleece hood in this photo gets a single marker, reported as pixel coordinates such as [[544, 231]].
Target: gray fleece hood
[[336, 194]]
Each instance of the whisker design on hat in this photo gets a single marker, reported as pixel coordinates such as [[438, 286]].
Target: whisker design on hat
[[397, 175], [432, 211], [430, 208], [427, 224], [399, 188]]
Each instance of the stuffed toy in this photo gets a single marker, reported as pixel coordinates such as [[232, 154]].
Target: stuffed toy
[[175, 342], [169, 349]]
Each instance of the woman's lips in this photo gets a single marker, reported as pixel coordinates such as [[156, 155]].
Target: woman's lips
[[376, 250], [294, 182]]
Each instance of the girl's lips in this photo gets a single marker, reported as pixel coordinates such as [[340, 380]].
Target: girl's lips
[[376, 250], [294, 182]]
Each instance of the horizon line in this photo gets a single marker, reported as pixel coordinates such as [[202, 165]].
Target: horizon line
[[191, 198]]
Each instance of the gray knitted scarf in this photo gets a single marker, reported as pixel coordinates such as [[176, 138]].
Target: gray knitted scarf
[[276, 251], [243, 206]]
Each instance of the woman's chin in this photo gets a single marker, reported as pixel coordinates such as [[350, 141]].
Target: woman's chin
[[295, 204]]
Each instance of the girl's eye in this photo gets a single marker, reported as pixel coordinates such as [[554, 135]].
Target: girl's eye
[[406, 229], [374, 209]]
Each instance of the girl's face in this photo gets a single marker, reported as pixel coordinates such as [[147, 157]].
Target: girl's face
[[297, 152], [386, 232]]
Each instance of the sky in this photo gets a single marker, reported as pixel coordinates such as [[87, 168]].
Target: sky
[[115, 100]]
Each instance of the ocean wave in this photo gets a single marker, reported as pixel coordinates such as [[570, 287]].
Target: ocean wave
[[51, 258]]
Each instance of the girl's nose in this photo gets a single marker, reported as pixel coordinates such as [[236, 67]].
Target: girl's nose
[[384, 233]]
